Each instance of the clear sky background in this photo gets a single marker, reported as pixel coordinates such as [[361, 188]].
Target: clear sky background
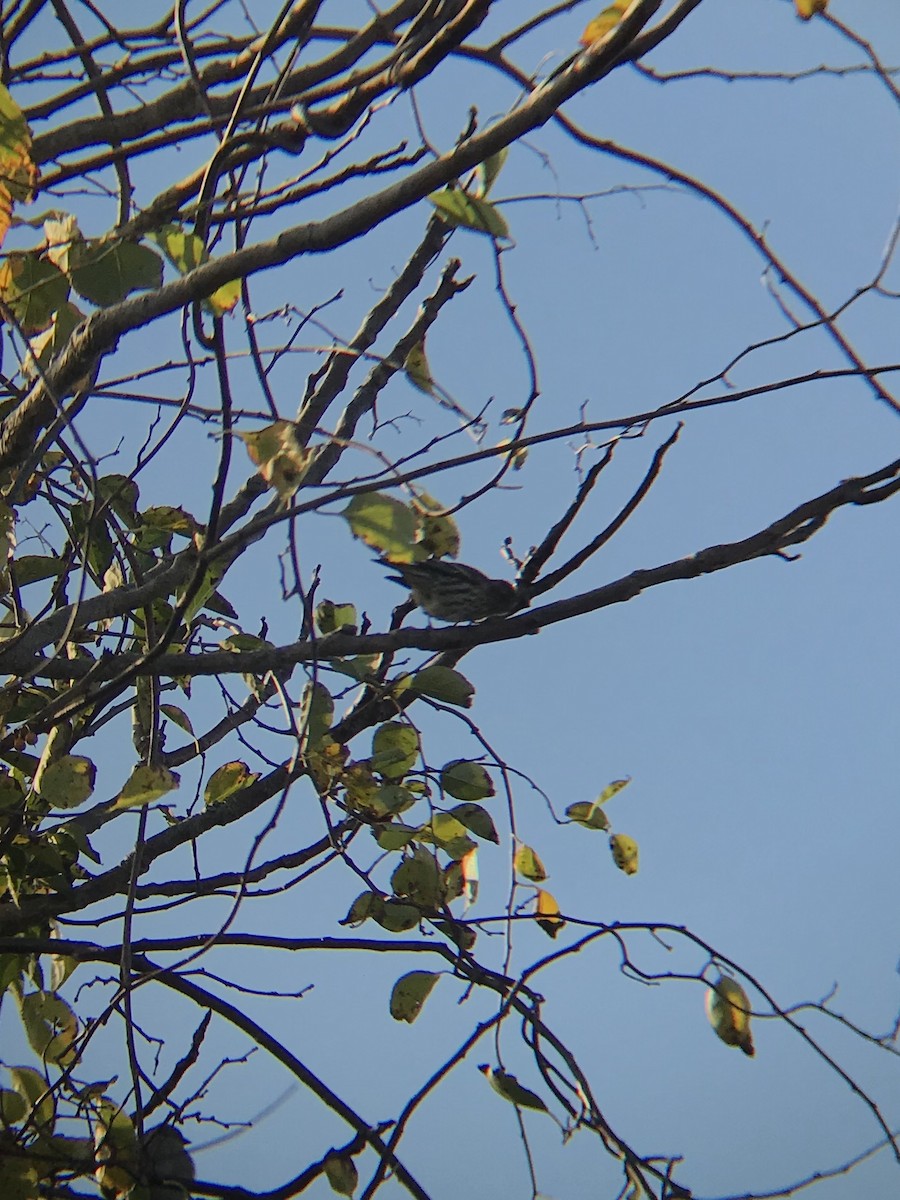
[[755, 710]]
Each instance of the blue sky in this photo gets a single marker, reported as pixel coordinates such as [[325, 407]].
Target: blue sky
[[755, 709]]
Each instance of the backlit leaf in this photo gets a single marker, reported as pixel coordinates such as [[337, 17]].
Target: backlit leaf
[[458, 208], [625, 853], [409, 994]]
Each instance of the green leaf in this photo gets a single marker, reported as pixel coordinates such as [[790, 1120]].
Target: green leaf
[[528, 864], [477, 819], [67, 782], [50, 1025], [384, 523], [728, 1010], [396, 917], [316, 714], [418, 878], [488, 171], [32, 567], [230, 778], [13, 1107], [458, 208], [186, 252], [444, 684], [464, 780], [341, 1173], [34, 1090], [395, 836], [33, 288], [591, 816], [395, 748], [178, 717], [449, 834], [144, 785], [107, 272], [331, 617], [410, 993], [509, 1088]]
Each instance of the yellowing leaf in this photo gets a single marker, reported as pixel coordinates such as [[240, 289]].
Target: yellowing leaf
[[18, 174], [417, 370], [808, 8], [528, 864], [231, 777], [728, 1009], [591, 816], [457, 207], [548, 914], [145, 785], [625, 853], [439, 532], [33, 288], [607, 20], [281, 459], [186, 251], [410, 993]]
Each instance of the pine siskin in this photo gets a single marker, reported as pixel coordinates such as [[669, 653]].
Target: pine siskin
[[454, 592]]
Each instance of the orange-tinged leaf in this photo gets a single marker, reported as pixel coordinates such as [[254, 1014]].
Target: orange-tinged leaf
[[808, 8], [33, 288], [607, 20], [18, 174]]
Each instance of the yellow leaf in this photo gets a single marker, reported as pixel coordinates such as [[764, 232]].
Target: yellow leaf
[[625, 853], [18, 174], [607, 20], [728, 1009], [548, 914], [279, 455], [417, 370], [808, 8]]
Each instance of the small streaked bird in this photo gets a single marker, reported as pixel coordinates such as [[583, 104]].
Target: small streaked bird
[[451, 591]]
